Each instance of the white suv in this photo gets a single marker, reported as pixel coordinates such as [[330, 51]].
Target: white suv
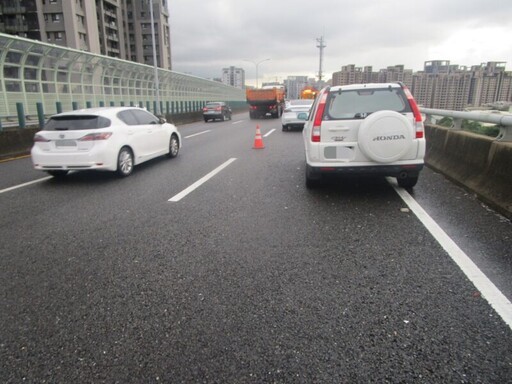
[[367, 129]]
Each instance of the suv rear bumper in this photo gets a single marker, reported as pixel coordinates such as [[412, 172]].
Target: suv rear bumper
[[409, 170]]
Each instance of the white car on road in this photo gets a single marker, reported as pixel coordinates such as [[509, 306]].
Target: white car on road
[[289, 118], [108, 138], [365, 129]]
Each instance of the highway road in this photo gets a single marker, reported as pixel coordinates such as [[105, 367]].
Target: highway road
[[219, 266]]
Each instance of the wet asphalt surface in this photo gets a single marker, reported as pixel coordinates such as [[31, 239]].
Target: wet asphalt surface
[[251, 278]]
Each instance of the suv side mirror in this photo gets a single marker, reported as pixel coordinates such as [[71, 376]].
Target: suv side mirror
[[303, 116]]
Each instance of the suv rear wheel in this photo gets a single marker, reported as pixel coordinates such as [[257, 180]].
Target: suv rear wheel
[[312, 181], [407, 182]]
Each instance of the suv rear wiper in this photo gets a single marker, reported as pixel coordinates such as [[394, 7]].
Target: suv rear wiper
[[362, 115]]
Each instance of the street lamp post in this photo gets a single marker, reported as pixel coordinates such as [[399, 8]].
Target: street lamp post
[[257, 65], [157, 83]]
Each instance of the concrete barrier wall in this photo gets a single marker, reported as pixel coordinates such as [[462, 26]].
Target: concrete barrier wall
[[478, 163], [16, 142]]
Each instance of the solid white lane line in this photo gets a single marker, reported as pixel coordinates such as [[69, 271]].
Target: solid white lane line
[[201, 181], [238, 122], [25, 184], [489, 291], [269, 133], [197, 134]]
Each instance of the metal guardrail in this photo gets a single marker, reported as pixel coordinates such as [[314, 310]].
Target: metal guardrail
[[502, 121]]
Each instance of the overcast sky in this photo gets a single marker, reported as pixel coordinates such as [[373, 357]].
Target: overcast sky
[[208, 35]]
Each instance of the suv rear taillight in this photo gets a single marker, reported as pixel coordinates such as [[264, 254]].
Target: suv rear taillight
[[418, 121], [317, 122]]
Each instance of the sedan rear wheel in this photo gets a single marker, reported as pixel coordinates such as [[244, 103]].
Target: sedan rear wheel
[[174, 147], [125, 162]]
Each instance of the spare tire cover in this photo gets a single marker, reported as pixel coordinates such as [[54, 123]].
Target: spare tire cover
[[385, 136]]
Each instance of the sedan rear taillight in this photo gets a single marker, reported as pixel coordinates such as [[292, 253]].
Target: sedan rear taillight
[[40, 139], [96, 136], [317, 121], [418, 120]]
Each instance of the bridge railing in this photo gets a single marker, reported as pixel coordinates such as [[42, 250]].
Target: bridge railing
[[502, 121]]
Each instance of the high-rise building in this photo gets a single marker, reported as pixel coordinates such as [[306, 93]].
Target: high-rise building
[[440, 85], [490, 83], [234, 77], [349, 74], [138, 36], [115, 28], [395, 73], [293, 86]]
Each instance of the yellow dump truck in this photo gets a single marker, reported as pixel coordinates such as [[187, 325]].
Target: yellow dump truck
[[265, 101]]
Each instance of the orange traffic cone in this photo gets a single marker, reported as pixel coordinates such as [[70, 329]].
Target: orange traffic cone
[[258, 140]]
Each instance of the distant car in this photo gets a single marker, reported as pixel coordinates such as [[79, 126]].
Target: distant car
[[216, 110], [108, 138], [365, 129], [289, 118]]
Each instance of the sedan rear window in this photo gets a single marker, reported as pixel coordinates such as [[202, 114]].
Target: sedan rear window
[[76, 122], [357, 104]]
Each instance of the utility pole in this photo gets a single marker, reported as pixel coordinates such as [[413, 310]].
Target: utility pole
[[320, 45]]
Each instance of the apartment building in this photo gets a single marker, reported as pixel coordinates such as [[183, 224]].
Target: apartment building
[[440, 84], [490, 83], [395, 73], [115, 28], [293, 86], [234, 77], [138, 37], [350, 74]]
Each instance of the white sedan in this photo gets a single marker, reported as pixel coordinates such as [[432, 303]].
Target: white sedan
[[289, 118], [108, 138]]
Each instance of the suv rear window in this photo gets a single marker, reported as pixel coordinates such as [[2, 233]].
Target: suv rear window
[[75, 123], [358, 104]]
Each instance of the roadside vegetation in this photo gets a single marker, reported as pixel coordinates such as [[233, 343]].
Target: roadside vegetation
[[472, 126]]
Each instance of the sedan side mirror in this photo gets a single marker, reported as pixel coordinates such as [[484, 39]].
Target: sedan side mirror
[[161, 120]]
